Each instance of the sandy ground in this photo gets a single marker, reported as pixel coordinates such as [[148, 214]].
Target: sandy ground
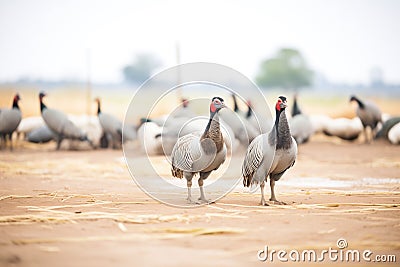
[[60, 208]]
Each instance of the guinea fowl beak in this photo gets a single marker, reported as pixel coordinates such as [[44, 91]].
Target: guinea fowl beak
[[223, 105], [284, 104]]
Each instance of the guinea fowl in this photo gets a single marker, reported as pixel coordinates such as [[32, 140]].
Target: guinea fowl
[[270, 154], [200, 154], [300, 124], [59, 123], [369, 114], [9, 121], [112, 127]]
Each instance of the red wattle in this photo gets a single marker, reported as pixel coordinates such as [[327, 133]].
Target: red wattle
[[212, 108]]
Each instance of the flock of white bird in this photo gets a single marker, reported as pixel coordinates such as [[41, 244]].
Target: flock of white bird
[[158, 135], [241, 127]]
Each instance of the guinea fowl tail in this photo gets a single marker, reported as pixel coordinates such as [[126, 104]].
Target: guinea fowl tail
[[247, 181], [178, 173]]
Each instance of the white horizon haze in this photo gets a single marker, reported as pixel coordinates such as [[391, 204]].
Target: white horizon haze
[[344, 40]]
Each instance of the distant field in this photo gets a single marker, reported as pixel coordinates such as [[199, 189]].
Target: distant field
[[75, 100]]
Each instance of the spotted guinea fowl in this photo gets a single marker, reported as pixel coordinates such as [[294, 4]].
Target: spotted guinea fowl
[[112, 127], [59, 123], [200, 154], [9, 121], [270, 154], [369, 114]]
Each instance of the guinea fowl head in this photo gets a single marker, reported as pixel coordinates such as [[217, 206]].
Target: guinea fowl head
[[281, 104], [217, 103], [185, 102], [97, 100], [15, 101], [41, 95], [249, 104], [42, 105], [354, 98]]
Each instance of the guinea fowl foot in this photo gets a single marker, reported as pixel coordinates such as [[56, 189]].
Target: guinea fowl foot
[[276, 202], [191, 201], [263, 203], [204, 200]]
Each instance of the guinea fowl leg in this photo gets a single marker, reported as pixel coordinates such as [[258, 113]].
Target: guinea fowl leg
[[262, 203], [273, 198], [2, 141], [366, 135], [189, 187], [58, 144], [10, 138], [189, 177], [203, 176]]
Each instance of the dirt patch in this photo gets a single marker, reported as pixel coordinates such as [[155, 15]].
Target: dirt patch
[[82, 207]]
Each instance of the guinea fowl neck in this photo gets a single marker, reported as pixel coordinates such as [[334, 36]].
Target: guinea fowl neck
[[359, 102], [213, 131], [296, 110], [249, 112], [15, 103], [42, 105], [281, 128], [98, 107], [212, 122], [235, 105]]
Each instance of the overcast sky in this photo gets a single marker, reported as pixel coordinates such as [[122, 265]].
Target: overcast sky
[[343, 39]]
